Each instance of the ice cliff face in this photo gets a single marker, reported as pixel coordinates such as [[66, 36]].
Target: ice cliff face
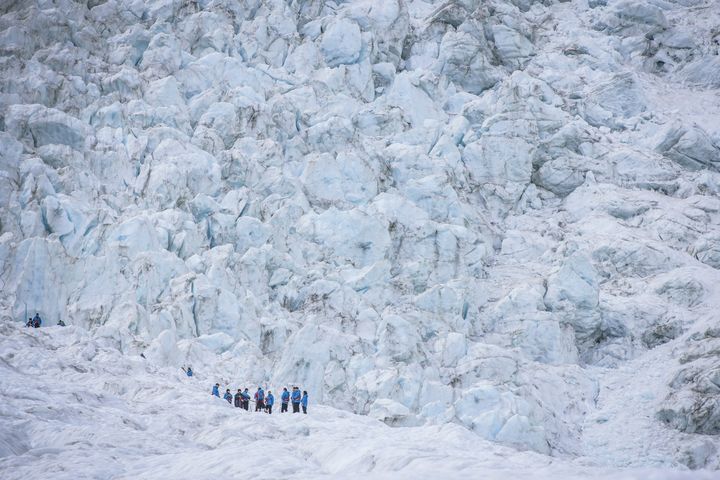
[[460, 211]]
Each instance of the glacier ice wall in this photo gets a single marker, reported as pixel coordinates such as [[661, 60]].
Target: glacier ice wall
[[423, 211]]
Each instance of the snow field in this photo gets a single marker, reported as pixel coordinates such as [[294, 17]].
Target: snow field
[[74, 408]]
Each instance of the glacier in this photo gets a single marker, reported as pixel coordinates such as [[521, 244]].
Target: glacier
[[487, 222]]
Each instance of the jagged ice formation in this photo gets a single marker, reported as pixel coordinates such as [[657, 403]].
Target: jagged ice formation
[[499, 214]]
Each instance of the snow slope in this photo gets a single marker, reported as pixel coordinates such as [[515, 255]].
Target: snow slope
[[75, 408], [499, 215]]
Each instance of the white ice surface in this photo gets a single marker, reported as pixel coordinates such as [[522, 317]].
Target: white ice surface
[[74, 407]]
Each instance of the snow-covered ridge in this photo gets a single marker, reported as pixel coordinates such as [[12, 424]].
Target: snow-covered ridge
[[488, 213]]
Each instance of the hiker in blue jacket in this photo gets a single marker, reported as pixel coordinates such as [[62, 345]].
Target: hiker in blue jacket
[[284, 400], [189, 371], [295, 397], [304, 401], [269, 401], [259, 400], [37, 321], [228, 396], [216, 390], [246, 399]]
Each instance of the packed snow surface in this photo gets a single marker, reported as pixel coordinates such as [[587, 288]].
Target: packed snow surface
[[492, 224], [82, 410]]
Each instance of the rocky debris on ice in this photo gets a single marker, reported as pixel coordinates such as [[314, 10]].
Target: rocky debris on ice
[[690, 147], [38, 126], [692, 405]]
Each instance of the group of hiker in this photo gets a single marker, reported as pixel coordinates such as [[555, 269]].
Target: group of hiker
[[264, 402], [36, 322]]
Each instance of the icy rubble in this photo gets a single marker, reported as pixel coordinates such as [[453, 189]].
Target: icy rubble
[[427, 212]]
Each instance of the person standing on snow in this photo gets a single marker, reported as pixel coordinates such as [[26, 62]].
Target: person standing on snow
[[246, 399], [228, 396], [216, 390], [259, 400], [37, 321], [189, 371], [239, 399], [295, 397], [284, 400], [269, 401], [304, 401]]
